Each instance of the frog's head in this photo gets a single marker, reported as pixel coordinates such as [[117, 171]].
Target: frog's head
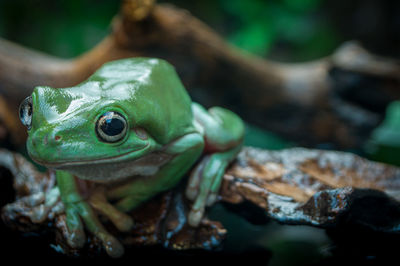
[[105, 121]]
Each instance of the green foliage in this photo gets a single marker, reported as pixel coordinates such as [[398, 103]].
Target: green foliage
[[64, 28], [293, 29], [302, 5], [266, 26], [384, 143]]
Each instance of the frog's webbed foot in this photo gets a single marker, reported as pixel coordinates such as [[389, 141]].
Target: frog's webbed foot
[[79, 213], [205, 182], [48, 204], [203, 186]]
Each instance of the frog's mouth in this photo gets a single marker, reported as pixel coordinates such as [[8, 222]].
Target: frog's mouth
[[108, 160], [114, 168], [131, 155]]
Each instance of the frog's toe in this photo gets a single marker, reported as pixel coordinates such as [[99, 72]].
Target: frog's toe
[[124, 223], [216, 185], [112, 246], [195, 216], [193, 186], [212, 198], [206, 179], [191, 192], [76, 237]]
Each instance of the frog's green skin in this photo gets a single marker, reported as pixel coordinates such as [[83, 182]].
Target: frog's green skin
[[166, 134]]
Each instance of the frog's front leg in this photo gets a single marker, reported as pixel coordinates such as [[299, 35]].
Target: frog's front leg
[[78, 210], [185, 151], [223, 133]]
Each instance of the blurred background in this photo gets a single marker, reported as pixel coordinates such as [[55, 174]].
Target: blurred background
[[285, 30], [281, 30]]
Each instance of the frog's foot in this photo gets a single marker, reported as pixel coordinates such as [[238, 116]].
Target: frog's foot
[[77, 212], [204, 184], [99, 202]]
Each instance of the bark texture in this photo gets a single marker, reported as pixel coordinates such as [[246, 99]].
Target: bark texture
[[331, 190]]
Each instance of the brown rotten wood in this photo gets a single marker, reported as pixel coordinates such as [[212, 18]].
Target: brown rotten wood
[[332, 190], [337, 99]]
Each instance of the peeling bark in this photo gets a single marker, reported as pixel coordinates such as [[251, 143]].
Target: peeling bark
[[326, 189]]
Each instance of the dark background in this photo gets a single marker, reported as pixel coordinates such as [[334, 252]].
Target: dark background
[[283, 30]]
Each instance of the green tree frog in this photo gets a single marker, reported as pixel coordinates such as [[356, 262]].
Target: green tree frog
[[132, 130]]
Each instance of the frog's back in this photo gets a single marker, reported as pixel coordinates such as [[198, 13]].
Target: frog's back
[[151, 91]]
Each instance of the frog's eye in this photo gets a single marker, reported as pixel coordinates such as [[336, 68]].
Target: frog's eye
[[111, 127], [26, 111]]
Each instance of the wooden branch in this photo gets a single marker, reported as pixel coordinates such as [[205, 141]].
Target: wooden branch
[[332, 190], [306, 102]]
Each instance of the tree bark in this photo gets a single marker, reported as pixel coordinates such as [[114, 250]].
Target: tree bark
[[331, 190]]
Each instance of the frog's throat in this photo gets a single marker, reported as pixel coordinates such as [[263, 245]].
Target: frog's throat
[[146, 165]]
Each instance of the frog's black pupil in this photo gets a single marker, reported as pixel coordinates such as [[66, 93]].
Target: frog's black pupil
[[25, 112], [112, 126]]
